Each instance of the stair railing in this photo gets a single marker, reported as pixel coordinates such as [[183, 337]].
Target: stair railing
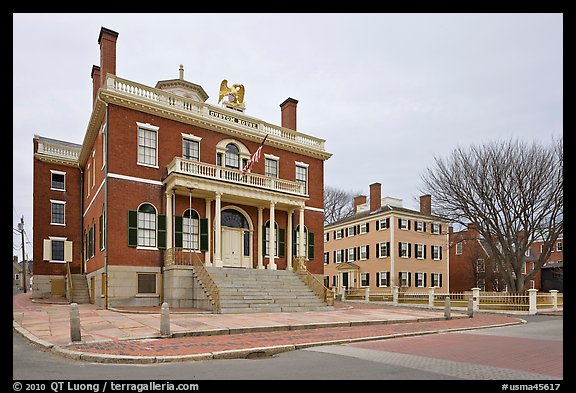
[[326, 294], [210, 287], [69, 278]]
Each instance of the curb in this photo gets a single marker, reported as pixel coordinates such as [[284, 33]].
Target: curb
[[245, 353]]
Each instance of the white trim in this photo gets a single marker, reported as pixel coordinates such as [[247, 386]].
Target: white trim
[[57, 201], [300, 163], [57, 172], [136, 179], [147, 248], [148, 126], [57, 238], [53, 172], [93, 198], [314, 209], [191, 137], [271, 156]]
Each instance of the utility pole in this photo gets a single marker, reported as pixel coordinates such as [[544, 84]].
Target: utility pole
[[24, 263]]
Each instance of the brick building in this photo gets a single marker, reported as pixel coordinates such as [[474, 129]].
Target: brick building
[[384, 244], [158, 179]]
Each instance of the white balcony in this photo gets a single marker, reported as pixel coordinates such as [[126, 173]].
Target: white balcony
[[182, 166]]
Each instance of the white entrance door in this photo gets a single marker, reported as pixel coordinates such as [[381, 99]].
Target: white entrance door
[[231, 248]]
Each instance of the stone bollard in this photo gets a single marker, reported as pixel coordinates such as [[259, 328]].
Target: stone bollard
[[532, 301], [476, 298], [367, 294], [75, 334], [447, 308], [431, 297], [343, 293], [165, 320], [395, 294], [470, 308]]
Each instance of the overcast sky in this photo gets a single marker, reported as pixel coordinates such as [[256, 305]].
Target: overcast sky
[[387, 92]]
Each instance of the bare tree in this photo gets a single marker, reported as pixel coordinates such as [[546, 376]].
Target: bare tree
[[338, 204], [513, 191]]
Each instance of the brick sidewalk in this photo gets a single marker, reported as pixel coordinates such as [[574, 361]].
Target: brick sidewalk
[[113, 336]]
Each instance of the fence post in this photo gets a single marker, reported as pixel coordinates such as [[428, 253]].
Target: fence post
[[395, 294], [431, 296], [367, 294], [75, 334], [164, 320], [343, 293], [554, 293], [447, 307], [532, 301], [476, 298]]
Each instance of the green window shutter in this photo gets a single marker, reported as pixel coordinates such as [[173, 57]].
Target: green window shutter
[[203, 234], [100, 235], [294, 234], [178, 231], [263, 239], [162, 231], [281, 242], [310, 245], [132, 228]]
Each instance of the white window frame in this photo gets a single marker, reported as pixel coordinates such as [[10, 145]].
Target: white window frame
[[459, 248], [339, 256], [326, 236], [338, 234], [419, 277], [363, 228], [419, 248], [326, 258], [191, 138], [55, 202], [435, 252], [435, 228], [271, 158], [363, 253], [47, 247], [151, 128], [351, 254], [481, 283], [53, 172], [351, 231], [364, 276], [419, 226], [435, 280], [403, 279], [559, 246], [383, 246], [403, 249], [480, 265], [403, 224], [384, 278], [304, 166], [382, 224]]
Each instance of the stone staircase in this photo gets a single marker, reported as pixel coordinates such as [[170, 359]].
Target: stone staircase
[[80, 293], [262, 290]]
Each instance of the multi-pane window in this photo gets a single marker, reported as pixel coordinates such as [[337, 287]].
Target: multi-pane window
[[481, 283], [57, 250], [383, 279], [383, 249], [326, 258], [302, 176], [146, 283], [147, 226], [436, 280], [190, 230], [271, 167], [559, 246], [403, 223], [232, 157], [420, 279], [404, 279], [404, 249], [190, 149], [420, 251], [420, 226], [339, 256], [57, 213], [459, 248], [147, 146], [351, 254], [436, 229], [436, 252], [338, 234], [480, 266], [58, 181], [351, 231], [363, 252], [363, 228], [364, 279]]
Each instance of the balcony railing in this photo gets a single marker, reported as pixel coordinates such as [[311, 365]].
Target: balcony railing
[[210, 112], [214, 172]]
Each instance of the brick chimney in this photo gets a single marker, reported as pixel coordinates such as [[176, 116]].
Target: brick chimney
[[426, 204], [107, 40], [375, 196], [95, 74], [288, 108], [359, 200], [472, 230]]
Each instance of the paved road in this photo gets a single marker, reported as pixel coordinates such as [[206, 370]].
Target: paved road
[[529, 351]]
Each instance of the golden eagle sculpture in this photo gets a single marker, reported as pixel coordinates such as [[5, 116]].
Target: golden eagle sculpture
[[235, 94]]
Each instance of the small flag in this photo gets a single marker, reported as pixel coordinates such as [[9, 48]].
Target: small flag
[[255, 157]]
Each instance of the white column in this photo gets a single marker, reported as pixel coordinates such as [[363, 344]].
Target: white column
[[476, 298], [207, 254], [554, 293], [289, 241], [218, 235], [301, 248], [169, 219], [532, 293], [272, 232], [260, 251]]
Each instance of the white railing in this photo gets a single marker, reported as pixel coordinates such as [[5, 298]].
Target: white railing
[[210, 171], [210, 112], [60, 151]]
